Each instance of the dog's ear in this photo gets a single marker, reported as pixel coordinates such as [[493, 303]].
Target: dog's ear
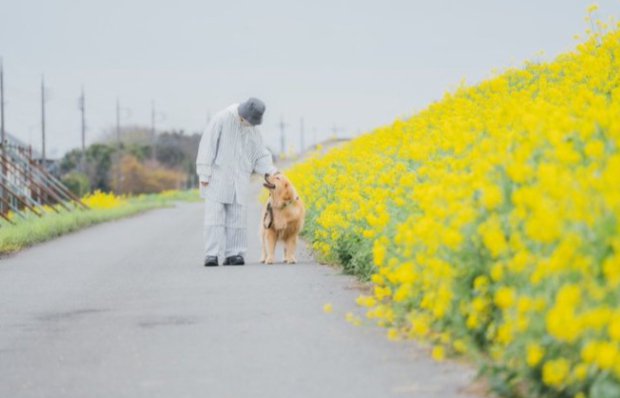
[[288, 193]]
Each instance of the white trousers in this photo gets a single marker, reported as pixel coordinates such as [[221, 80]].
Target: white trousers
[[225, 229]]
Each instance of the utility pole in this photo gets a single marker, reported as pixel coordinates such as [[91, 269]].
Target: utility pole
[[335, 132], [82, 105], [118, 149], [118, 123], [153, 133], [282, 125], [3, 134], [302, 143], [43, 120], [3, 142], [314, 139]]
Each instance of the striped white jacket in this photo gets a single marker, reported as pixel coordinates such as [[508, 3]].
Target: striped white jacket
[[229, 152]]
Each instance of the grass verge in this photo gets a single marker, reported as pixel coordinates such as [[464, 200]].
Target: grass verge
[[33, 230]]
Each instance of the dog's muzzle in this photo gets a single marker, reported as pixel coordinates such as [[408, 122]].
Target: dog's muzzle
[[268, 184]]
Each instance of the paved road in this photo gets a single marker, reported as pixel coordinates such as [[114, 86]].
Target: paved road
[[125, 309]]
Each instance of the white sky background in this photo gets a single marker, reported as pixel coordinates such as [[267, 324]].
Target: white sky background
[[355, 65]]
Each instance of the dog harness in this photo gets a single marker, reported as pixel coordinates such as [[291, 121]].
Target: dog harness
[[269, 212]]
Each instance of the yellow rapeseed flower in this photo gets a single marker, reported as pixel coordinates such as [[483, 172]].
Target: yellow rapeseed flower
[[534, 354], [492, 215], [438, 353], [555, 372]]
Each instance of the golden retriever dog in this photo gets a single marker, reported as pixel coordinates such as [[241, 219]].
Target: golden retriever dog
[[283, 219]]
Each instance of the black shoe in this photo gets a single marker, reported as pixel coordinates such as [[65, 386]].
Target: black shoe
[[211, 261], [234, 260]]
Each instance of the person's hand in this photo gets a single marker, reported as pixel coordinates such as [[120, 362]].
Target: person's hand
[[204, 183]]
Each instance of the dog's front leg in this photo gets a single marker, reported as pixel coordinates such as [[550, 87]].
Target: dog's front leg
[[290, 248], [271, 238], [263, 252]]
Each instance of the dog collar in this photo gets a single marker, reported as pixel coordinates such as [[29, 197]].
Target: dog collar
[[290, 202]]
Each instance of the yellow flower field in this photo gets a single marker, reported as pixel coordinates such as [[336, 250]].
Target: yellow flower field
[[104, 200], [489, 223]]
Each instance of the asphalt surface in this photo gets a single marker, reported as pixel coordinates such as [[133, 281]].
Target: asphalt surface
[[126, 309]]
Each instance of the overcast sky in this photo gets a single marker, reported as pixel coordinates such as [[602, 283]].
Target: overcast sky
[[352, 65]]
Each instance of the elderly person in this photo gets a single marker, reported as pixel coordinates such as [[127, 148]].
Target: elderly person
[[231, 148]]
